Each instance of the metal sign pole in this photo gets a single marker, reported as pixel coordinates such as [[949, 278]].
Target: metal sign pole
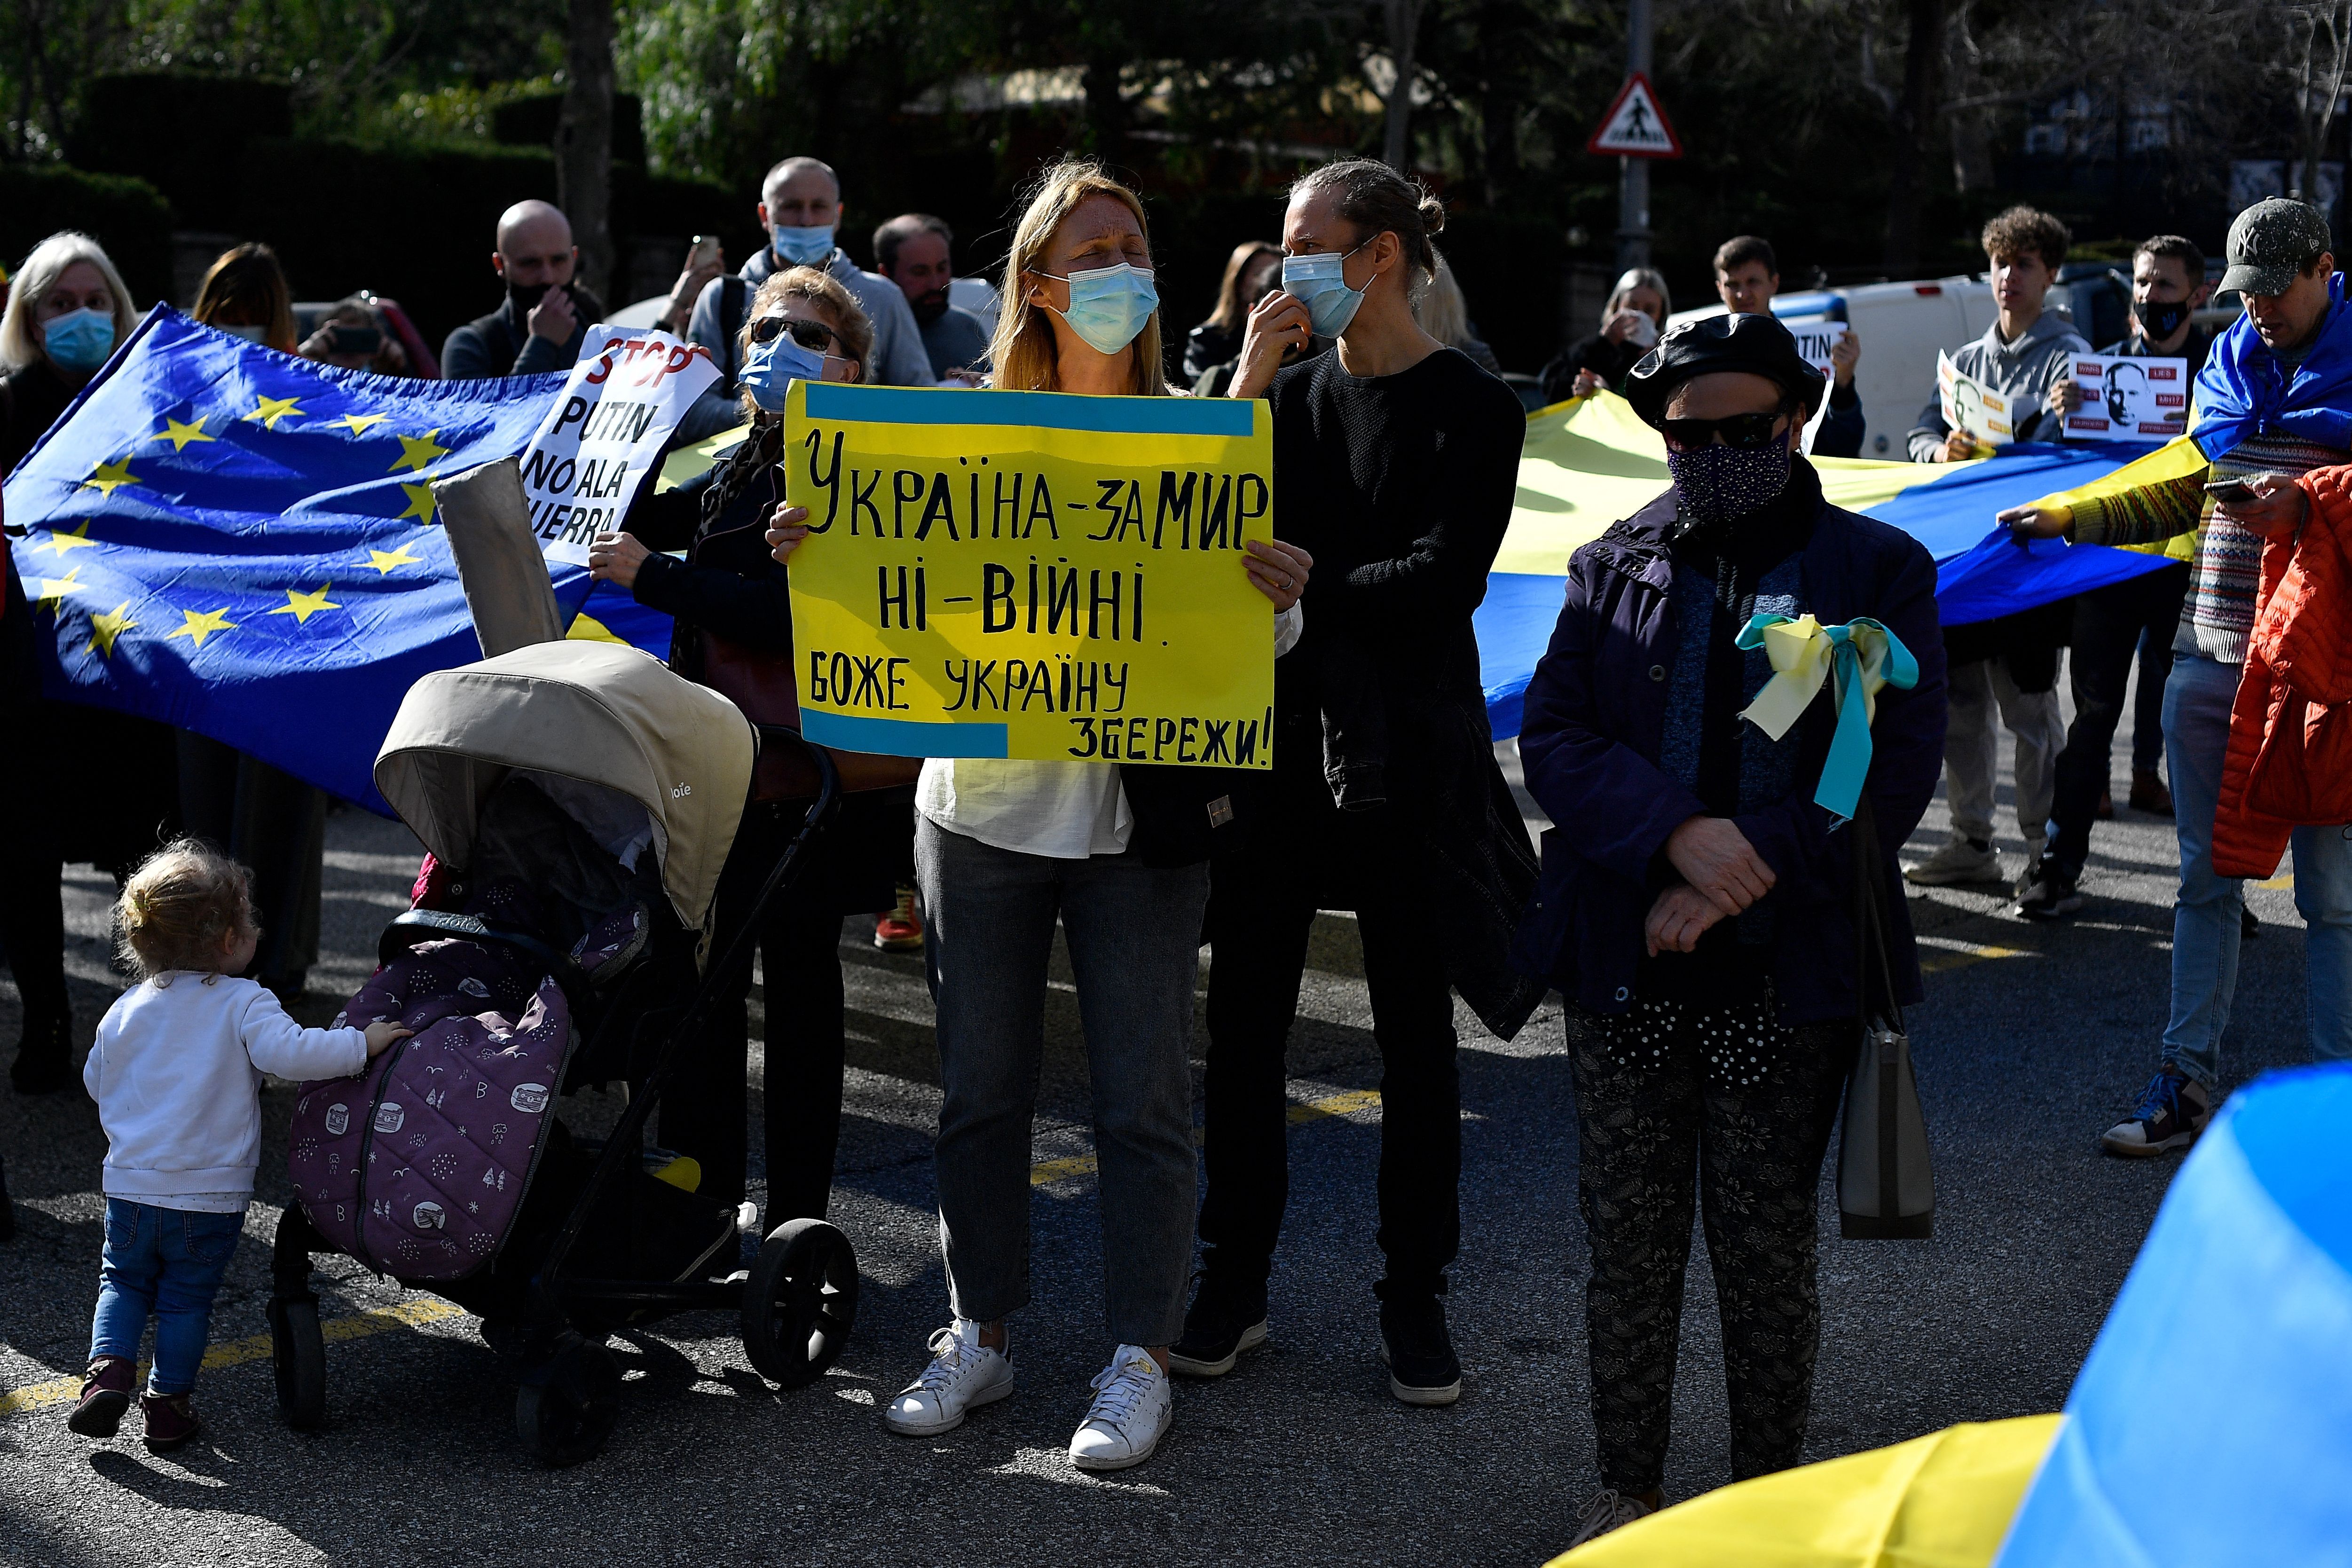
[[1633, 174]]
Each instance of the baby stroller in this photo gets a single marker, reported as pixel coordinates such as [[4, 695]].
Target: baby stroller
[[578, 801]]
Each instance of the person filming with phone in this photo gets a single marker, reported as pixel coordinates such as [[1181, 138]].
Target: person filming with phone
[[2273, 404], [545, 317]]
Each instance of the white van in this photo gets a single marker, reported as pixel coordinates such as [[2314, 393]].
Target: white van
[[1902, 326]]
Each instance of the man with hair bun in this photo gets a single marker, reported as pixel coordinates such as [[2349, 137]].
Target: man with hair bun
[[1396, 463]]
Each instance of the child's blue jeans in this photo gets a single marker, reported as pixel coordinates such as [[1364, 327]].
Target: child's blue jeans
[[168, 1262]]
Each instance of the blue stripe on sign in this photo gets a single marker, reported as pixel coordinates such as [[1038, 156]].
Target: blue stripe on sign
[[1052, 410], [901, 737]]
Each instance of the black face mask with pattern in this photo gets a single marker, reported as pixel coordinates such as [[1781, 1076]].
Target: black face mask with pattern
[[1721, 484], [2159, 320]]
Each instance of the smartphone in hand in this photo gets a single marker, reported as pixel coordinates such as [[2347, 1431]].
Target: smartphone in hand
[[2230, 493]]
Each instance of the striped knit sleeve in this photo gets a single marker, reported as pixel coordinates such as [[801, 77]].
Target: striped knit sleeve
[[2147, 515]]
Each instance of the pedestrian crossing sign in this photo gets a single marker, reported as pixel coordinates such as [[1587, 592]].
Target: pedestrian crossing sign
[[1635, 126]]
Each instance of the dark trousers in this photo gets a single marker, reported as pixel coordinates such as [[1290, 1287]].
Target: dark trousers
[[1258, 921], [703, 1112], [276, 827], [1673, 1099], [2112, 625], [33, 912]]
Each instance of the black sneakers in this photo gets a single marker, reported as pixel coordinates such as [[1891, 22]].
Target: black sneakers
[[1224, 1320], [2172, 1110], [2053, 894], [1419, 1352]]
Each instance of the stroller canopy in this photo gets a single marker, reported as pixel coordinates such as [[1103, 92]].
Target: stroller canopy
[[605, 714]]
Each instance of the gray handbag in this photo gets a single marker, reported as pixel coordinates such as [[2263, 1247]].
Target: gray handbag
[[1886, 1191]]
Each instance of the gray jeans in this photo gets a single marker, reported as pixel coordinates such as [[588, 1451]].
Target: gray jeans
[[1971, 751], [1134, 933]]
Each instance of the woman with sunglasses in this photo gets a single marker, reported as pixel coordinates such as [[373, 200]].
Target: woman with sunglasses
[[1698, 903], [1395, 461], [1119, 853], [802, 325]]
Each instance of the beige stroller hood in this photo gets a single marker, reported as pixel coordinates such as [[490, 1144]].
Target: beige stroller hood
[[609, 715]]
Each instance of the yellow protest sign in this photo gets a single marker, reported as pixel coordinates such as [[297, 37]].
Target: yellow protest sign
[[1032, 574]]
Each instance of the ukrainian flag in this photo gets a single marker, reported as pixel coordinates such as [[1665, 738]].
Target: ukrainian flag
[[243, 543], [1589, 462]]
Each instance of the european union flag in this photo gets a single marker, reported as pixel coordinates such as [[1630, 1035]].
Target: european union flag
[[242, 543]]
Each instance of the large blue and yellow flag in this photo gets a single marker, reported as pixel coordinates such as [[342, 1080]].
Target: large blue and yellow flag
[[244, 545], [1591, 462]]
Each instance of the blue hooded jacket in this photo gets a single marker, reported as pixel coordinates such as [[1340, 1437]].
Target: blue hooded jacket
[[2243, 388]]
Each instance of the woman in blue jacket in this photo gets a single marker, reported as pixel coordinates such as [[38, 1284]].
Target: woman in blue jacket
[[1698, 912]]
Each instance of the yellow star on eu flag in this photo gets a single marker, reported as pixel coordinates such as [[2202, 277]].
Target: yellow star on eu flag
[[180, 435], [361, 424], [105, 629], [55, 589], [385, 560], [60, 543], [201, 623], [109, 477], [302, 607], [418, 451], [273, 409], [420, 501]]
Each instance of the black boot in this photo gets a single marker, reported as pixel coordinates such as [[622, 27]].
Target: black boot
[[44, 1061], [1225, 1319]]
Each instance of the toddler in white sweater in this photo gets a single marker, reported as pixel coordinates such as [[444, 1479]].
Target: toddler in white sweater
[[176, 1071]]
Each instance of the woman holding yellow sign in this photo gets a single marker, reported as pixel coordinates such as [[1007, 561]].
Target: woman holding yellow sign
[[1395, 461], [1118, 853]]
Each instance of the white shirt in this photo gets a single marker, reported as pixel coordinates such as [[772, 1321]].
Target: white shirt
[[176, 1072], [1064, 811]]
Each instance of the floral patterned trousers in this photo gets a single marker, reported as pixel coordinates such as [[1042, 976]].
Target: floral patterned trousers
[[1675, 1099]]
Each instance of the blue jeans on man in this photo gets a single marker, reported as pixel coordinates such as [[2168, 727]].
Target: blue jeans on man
[[168, 1264], [2205, 929]]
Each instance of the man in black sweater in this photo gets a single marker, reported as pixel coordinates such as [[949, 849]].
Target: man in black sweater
[[540, 325]]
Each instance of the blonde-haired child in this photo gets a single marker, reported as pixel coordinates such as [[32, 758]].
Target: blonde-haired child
[[176, 1072]]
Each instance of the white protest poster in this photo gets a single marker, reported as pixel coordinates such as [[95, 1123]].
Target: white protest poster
[[2129, 398], [1816, 337], [598, 442], [1968, 406]]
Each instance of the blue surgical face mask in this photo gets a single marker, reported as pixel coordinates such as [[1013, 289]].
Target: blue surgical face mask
[[79, 340], [771, 368], [251, 334], [804, 247], [1109, 305], [1321, 283]]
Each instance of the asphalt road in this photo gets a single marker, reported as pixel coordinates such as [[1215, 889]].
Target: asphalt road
[[2034, 1040]]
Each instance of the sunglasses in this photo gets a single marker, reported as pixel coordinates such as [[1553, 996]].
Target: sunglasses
[[1747, 432], [808, 334]]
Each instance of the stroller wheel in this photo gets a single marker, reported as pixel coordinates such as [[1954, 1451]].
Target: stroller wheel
[[298, 1353], [566, 1408], [799, 1301]]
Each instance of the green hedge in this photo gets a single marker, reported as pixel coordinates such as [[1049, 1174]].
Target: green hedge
[[183, 134], [126, 216], [530, 123]]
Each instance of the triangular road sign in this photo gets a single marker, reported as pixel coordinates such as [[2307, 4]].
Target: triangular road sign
[[1635, 126]]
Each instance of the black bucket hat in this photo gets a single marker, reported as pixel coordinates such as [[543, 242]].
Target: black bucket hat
[[1757, 344]]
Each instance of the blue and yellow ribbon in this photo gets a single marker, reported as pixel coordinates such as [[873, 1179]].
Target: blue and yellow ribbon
[[1863, 654]]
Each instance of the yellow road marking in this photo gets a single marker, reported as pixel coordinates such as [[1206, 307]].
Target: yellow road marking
[[236, 1352], [2278, 884], [1341, 1104], [1945, 963]]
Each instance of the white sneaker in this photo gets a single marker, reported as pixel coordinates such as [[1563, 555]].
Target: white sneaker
[[1960, 861], [1133, 1402], [964, 1374]]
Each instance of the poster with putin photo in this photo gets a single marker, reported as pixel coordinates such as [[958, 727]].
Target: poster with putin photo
[[2129, 398]]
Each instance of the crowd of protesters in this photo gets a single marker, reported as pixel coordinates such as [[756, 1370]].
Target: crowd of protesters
[[1699, 914]]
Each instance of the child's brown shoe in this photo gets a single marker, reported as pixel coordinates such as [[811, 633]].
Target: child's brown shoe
[[104, 1398], [171, 1422]]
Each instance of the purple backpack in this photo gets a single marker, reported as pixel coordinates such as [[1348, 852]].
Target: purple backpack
[[417, 1167]]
